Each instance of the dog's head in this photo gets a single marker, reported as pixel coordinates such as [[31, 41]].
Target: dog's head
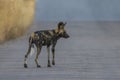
[[61, 30]]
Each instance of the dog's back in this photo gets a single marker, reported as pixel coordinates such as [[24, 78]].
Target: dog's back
[[43, 37]]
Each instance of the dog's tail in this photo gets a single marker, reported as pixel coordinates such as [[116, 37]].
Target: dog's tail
[[32, 50]]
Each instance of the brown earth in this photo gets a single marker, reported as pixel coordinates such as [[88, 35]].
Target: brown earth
[[15, 17]]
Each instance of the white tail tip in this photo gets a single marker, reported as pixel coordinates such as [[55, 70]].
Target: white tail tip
[[32, 51]]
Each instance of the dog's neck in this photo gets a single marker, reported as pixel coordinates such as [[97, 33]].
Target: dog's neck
[[56, 30], [57, 33]]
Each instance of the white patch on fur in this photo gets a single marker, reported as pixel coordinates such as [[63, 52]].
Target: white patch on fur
[[32, 51]]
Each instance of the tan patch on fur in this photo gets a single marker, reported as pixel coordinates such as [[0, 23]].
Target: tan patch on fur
[[45, 35], [56, 30], [61, 30], [33, 35], [36, 36], [51, 33]]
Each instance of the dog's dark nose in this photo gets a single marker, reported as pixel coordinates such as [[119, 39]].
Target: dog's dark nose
[[68, 36]]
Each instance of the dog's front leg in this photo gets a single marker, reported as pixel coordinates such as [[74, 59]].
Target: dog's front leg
[[48, 50], [53, 53]]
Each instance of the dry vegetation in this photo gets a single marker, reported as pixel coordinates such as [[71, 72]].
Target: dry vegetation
[[15, 17]]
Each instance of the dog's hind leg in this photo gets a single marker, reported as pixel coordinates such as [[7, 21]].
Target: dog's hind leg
[[38, 52], [28, 52], [53, 53], [26, 56]]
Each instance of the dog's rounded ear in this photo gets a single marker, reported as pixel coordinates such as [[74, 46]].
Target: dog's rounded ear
[[65, 23], [59, 24]]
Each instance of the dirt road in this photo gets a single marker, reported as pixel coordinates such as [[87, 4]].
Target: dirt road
[[91, 53]]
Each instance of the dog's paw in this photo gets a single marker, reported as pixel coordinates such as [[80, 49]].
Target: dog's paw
[[49, 65], [38, 66], [53, 63], [25, 66]]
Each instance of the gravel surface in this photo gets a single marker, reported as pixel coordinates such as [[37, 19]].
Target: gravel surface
[[91, 53]]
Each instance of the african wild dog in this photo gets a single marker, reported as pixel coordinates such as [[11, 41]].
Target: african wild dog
[[46, 38]]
